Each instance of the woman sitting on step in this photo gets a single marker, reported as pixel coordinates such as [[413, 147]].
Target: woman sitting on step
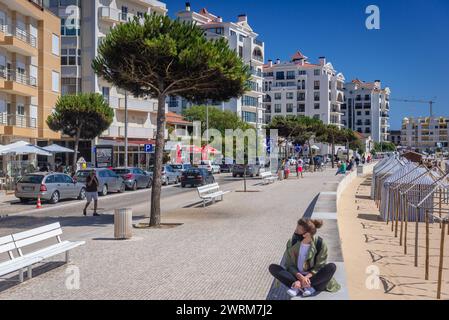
[[306, 269]]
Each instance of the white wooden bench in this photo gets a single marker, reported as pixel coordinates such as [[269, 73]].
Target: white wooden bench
[[211, 192], [19, 241], [267, 177]]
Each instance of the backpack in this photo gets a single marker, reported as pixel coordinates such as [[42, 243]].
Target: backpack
[[319, 246]]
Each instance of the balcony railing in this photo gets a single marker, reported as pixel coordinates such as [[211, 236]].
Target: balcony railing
[[257, 73], [22, 78], [25, 36], [17, 120], [258, 58]]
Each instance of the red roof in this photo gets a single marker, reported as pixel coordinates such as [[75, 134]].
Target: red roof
[[298, 56], [175, 118]]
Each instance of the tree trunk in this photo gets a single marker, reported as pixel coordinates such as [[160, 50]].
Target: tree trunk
[[312, 161], [75, 154], [347, 148], [155, 217]]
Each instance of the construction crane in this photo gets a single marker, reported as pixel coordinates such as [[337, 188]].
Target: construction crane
[[431, 103]]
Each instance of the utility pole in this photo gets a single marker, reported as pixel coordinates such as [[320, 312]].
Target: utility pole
[[126, 129]]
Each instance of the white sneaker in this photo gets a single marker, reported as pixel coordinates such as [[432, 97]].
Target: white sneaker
[[308, 292], [293, 292]]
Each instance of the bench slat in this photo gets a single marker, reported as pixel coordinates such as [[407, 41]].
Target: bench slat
[[53, 250], [37, 238], [36, 231], [6, 244]]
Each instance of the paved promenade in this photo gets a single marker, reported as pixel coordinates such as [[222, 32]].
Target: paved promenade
[[220, 252]]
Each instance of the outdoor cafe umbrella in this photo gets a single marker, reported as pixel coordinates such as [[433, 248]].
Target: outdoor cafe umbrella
[[55, 148], [22, 147]]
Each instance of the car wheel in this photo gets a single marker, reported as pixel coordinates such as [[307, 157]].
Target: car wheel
[[54, 197], [122, 188], [23, 200], [183, 185], [82, 195], [234, 175], [134, 187], [241, 176], [150, 184], [167, 182], [104, 190]]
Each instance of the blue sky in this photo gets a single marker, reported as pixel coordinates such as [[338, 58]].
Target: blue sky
[[410, 52]]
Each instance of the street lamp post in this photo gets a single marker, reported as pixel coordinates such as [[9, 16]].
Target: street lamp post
[[126, 129]]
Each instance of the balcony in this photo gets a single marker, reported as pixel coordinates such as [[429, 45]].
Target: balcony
[[117, 131], [134, 104], [113, 15], [256, 73], [14, 82], [19, 41], [257, 58], [15, 124]]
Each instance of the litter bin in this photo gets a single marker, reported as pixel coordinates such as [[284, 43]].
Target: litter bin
[[123, 220]]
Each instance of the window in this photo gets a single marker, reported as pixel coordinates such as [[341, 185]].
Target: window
[[289, 95], [249, 101], [70, 85], [316, 116], [317, 72], [233, 33], [268, 108], [55, 44], [290, 107], [302, 72], [301, 107], [316, 96], [316, 106], [290, 75], [316, 85], [105, 92], [278, 96], [359, 113], [70, 27], [280, 75], [249, 116], [241, 37], [55, 81], [367, 113], [277, 108], [70, 57], [20, 110], [240, 51]]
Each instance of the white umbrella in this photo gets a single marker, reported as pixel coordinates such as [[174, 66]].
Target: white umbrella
[[314, 147], [26, 149], [54, 148], [13, 145]]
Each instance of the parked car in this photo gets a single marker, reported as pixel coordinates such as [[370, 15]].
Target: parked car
[[51, 187], [181, 167], [209, 166], [169, 175], [251, 170], [134, 178], [109, 181], [196, 177], [226, 167]]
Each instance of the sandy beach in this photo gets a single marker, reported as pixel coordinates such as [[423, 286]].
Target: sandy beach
[[370, 247]]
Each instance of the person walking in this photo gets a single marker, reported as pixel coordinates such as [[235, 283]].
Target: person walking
[[287, 168], [91, 192], [299, 168]]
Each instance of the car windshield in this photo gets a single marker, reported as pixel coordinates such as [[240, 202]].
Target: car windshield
[[192, 172], [121, 171], [37, 179]]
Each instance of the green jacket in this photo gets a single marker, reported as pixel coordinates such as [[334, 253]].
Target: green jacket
[[291, 260]]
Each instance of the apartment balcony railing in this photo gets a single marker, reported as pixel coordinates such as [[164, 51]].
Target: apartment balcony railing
[[257, 73], [22, 78], [17, 120], [25, 37], [115, 15], [258, 58]]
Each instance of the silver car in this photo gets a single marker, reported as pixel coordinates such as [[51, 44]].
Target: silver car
[[169, 175], [51, 187], [134, 178], [108, 180]]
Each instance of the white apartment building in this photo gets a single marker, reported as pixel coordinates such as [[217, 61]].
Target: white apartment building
[[299, 87], [84, 23], [245, 42], [366, 109], [425, 134]]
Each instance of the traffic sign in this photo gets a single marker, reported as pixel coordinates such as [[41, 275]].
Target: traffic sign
[[149, 148]]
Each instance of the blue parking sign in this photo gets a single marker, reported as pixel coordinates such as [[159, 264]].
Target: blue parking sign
[[149, 148], [298, 148]]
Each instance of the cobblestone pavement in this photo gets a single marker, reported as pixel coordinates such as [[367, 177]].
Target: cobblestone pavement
[[220, 252]]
